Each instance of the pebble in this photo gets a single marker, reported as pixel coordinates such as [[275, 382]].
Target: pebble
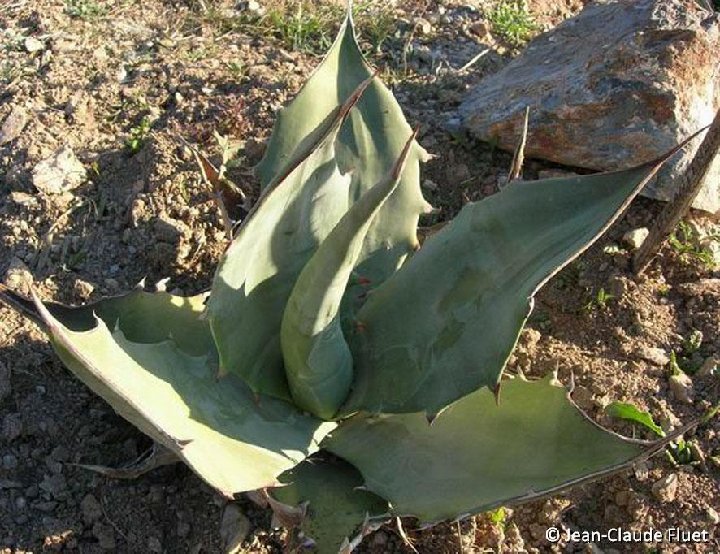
[[234, 527], [656, 356], [9, 462], [711, 366], [12, 427], [91, 509], [423, 26], [105, 535], [13, 125], [665, 489], [633, 239], [712, 515], [681, 387], [59, 173], [33, 45]]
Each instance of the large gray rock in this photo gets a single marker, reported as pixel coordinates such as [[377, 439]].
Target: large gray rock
[[619, 84]]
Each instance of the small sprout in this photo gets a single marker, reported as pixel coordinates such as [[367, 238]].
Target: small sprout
[[692, 343], [600, 301], [498, 517], [138, 134], [681, 452], [690, 246], [674, 366]]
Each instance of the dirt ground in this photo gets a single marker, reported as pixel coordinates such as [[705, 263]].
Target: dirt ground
[[119, 82]]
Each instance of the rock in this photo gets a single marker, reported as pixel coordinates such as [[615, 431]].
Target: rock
[[711, 366], [712, 515], [12, 427], [91, 509], [619, 84], [634, 239], [33, 45], [168, 230], [105, 535], [79, 110], [423, 26], [13, 125], [251, 6], [234, 527], [656, 356], [18, 277], [666, 488], [681, 387], [5, 384], [59, 173]]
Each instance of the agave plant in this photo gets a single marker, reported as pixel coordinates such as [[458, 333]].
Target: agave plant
[[336, 366]]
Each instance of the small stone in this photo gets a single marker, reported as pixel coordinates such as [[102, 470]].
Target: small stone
[[712, 515], [656, 356], [480, 29], [13, 125], [423, 26], [681, 387], [59, 173], [5, 384], [33, 45], [105, 535], [83, 289], [183, 529], [634, 239], [665, 489], [18, 277], [697, 454], [711, 366], [154, 545], [91, 509], [9, 462], [234, 527], [168, 230], [251, 6], [12, 427]]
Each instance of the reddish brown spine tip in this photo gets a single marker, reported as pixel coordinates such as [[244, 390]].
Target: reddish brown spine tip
[[360, 327], [496, 394], [363, 281]]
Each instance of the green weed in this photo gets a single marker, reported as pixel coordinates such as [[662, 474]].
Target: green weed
[[511, 21], [600, 301], [85, 9], [137, 137], [686, 243]]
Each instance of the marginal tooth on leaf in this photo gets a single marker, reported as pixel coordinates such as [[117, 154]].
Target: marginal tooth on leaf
[[496, 393], [430, 418], [429, 209], [259, 497], [286, 515], [345, 547], [360, 327], [141, 284], [161, 285]]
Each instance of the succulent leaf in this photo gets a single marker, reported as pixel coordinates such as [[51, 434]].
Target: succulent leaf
[[336, 508], [151, 357], [445, 324], [478, 455], [368, 145], [256, 275], [318, 361]]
